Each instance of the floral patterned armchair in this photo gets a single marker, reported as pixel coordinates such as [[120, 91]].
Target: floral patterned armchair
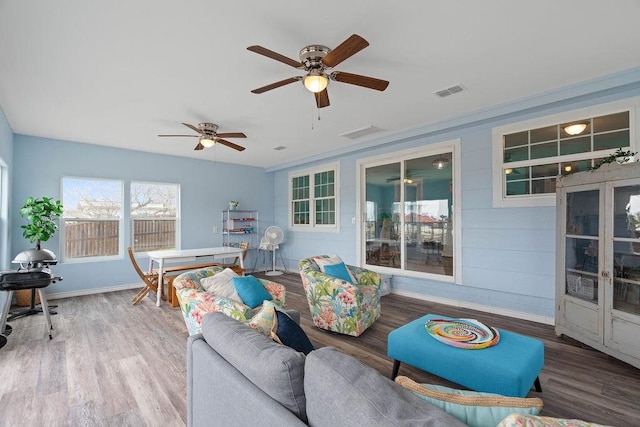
[[195, 302], [337, 305]]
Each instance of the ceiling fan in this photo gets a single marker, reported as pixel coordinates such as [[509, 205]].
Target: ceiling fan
[[208, 134], [317, 60]]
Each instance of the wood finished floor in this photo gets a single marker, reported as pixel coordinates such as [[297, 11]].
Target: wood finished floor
[[114, 364]]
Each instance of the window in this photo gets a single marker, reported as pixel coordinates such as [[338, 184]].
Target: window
[[407, 205], [528, 156], [92, 218], [154, 216], [313, 198]]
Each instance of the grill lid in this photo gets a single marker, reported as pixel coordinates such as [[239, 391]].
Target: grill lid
[[30, 256]]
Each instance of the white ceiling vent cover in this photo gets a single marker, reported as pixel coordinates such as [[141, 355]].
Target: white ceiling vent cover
[[449, 91], [359, 133]]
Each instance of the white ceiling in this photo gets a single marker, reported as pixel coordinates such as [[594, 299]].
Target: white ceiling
[[119, 73]]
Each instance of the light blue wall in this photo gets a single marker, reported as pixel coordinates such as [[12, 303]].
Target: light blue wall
[[508, 254], [206, 188]]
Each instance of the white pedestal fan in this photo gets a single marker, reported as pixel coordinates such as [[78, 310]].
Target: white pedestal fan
[[271, 240]]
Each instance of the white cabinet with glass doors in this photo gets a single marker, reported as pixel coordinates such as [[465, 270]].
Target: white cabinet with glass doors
[[598, 259]]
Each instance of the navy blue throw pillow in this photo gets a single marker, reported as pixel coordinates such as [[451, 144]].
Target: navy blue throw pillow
[[291, 334]]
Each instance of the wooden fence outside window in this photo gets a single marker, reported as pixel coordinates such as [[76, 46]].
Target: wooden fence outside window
[[95, 238]]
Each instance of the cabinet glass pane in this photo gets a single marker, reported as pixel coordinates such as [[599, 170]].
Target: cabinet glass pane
[[626, 295], [626, 253], [581, 268], [626, 284], [582, 213], [626, 212]]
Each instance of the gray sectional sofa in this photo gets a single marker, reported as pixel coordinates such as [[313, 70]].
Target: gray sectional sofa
[[237, 376]]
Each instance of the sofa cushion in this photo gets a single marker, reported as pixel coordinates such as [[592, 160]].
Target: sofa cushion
[[342, 391], [473, 408], [222, 284], [251, 290], [275, 369]]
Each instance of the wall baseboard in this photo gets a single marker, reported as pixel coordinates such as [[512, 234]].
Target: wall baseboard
[[485, 308], [72, 294]]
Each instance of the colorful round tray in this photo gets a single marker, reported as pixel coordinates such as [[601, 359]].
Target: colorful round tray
[[463, 333]]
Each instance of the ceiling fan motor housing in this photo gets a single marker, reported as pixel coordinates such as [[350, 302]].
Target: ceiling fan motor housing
[[208, 128], [311, 56]]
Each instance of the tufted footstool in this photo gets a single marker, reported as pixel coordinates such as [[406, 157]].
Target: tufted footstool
[[508, 368]]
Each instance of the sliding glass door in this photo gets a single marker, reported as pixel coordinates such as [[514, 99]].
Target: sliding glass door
[[408, 213]]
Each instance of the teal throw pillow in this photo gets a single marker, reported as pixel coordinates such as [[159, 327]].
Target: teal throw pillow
[[251, 290], [338, 270]]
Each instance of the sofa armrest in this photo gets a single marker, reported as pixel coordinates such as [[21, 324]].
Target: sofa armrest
[[365, 277], [191, 279], [198, 302], [276, 290]]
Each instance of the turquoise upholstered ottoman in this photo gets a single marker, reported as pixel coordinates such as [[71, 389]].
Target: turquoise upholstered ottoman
[[508, 368]]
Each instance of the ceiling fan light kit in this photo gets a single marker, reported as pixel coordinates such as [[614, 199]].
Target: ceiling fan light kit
[[207, 141], [315, 82]]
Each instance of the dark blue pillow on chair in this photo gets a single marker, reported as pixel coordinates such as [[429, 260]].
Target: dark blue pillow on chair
[[291, 334]]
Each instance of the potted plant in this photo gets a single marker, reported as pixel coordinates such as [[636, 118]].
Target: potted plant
[[41, 216]]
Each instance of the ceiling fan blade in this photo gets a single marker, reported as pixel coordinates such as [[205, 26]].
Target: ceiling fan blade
[[276, 84], [322, 99], [230, 144], [275, 55], [358, 80], [346, 49], [199, 146], [192, 127], [178, 135], [231, 135]]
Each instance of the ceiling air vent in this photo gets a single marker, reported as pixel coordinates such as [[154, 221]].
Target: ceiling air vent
[[359, 133], [449, 91]]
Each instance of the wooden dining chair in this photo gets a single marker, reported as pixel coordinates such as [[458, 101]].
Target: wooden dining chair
[[150, 280], [234, 265]]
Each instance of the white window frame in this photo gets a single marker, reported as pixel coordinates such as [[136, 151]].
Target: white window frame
[[312, 226], [119, 255], [4, 214], [452, 146], [177, 217], [500, 200]]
